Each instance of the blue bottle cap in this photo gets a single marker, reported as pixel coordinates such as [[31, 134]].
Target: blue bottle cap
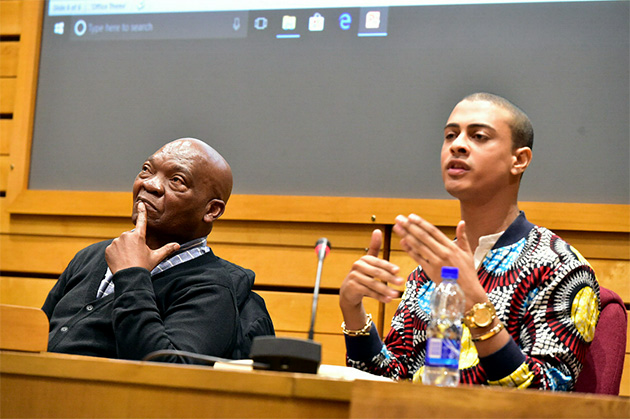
[[449, 272]]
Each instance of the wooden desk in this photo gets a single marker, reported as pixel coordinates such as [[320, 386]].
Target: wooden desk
[[406, 400], [54, 385]]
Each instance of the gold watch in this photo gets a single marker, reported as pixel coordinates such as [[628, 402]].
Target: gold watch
[[480, 315]]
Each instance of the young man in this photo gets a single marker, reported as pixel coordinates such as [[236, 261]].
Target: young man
[[159, 286], [532, 301]]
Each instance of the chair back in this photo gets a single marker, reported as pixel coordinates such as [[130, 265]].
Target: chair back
[[603, 365]]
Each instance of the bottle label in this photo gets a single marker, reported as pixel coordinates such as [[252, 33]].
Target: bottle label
[[443, 353]]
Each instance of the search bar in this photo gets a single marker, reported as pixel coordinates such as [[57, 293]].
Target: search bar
[[159, 27]]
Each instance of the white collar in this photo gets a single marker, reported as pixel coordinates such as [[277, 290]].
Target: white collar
[[485, 244]]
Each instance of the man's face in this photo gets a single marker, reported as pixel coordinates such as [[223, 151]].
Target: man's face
[[477, 153], [174, 185]]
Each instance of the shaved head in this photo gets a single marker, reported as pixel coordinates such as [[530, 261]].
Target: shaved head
[[213, 168], [184, 186], [520, 125]]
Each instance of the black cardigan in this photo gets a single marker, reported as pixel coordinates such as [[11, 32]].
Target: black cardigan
[[190, 307]]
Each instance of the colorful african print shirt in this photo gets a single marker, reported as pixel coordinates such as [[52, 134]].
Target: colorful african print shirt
[[544, 292]]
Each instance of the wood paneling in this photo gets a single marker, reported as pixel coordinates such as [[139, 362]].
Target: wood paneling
[[349, 210], [291, 312], [35, 254], [10, 17], [27, 292], [9, 51], [57, 385], [31, 388], [624, 389], [7, 95], [6, 129], [4, 172], [419, 401], [614, 275], [289, 266]]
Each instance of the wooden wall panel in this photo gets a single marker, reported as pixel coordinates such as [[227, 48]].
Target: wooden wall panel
[[624, 389], [276, 266], [341, 236], [29, 292], [614, 275], [599, 245], [289, 266], [291, 312], [7, 95], [39, 254], [4, 172], [6, 130], [10, 17], [9, 51]]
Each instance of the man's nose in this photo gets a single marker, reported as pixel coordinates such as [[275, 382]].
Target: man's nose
[[460, 144], [153, 184]]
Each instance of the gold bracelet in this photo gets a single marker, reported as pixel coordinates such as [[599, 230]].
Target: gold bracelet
[[495, 330], [365, 331]]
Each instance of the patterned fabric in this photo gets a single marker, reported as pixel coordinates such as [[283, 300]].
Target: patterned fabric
[[188, 251], [543, 291]]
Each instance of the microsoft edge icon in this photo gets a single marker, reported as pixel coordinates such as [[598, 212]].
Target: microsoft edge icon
[[345, 20]]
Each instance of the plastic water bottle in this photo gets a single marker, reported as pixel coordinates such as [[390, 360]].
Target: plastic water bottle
[[444, 332]]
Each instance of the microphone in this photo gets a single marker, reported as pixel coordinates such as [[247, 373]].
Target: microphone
[[292, 354], [322, 248]]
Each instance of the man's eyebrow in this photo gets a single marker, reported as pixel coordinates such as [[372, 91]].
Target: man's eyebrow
[[480, 125], [175, 167], [476, 125]]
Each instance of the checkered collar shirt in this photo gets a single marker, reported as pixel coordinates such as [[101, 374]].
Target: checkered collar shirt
[[187, 251]]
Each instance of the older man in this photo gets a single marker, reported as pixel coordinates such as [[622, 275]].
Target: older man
[[159, 286], [532, 301]]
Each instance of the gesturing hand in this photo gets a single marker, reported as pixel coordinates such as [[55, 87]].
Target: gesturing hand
[[366, 276], [131, 250], [432, 249]]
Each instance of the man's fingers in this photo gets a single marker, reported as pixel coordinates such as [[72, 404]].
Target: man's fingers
[[462, 238], [422, 240], [375, 243], [377, 268], [421, 227], [370, 287], [141, 219], [161, 253]]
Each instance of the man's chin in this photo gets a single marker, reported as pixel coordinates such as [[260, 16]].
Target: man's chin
[[454, 189], [152, 223]]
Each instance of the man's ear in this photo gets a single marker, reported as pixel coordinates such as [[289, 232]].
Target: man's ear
[[214, 209], [522, 157]]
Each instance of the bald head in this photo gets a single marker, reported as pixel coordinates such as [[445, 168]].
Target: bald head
[[184, 187], [210, 166]]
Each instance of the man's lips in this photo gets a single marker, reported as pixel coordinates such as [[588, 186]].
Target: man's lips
[[457, 167], [146, 203]]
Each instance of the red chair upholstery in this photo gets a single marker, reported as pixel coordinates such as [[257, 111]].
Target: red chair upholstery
[[604, 361]]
